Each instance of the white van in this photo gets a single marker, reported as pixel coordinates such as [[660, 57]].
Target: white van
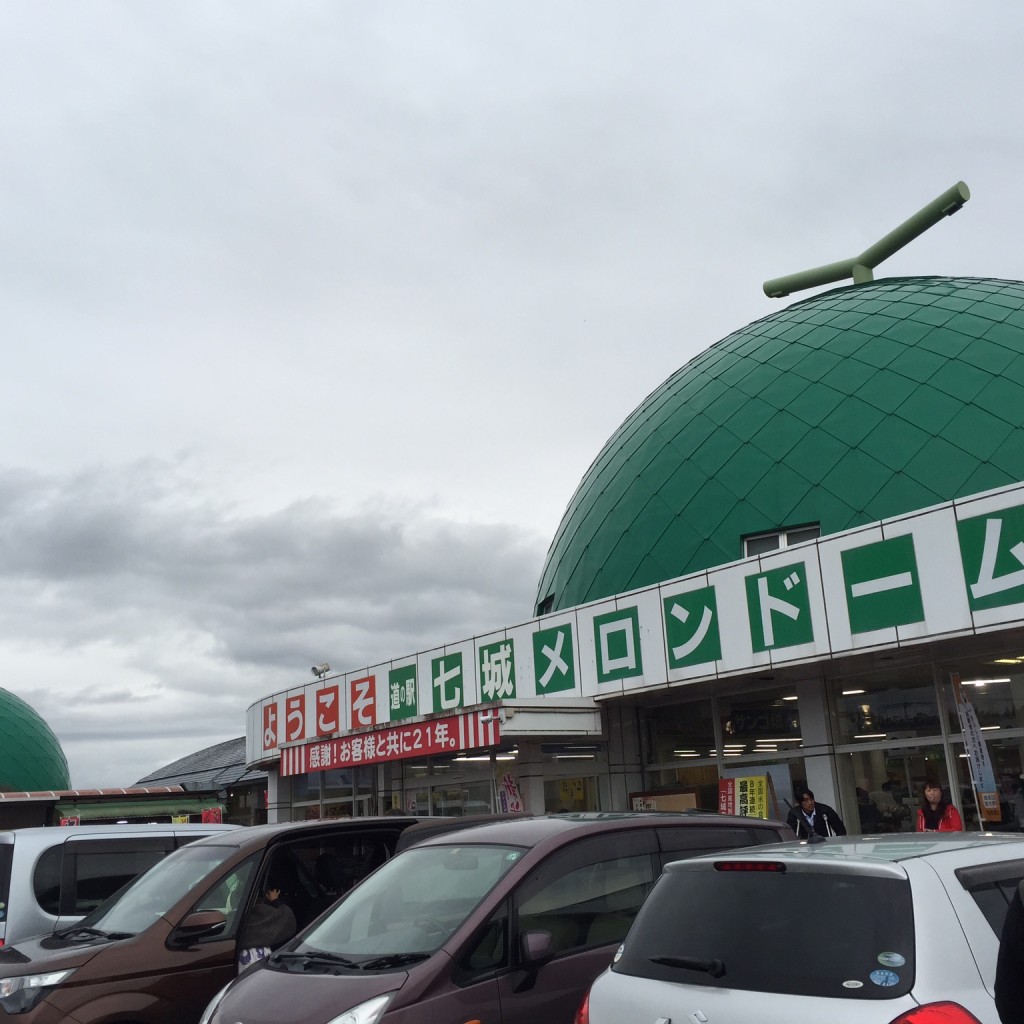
[[51, 877]]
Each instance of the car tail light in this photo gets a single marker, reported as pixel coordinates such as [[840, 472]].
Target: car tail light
[[750, 865], [937, 1013], [583, 1013]]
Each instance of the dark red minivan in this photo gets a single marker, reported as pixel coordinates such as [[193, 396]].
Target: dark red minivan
[[505, 923]]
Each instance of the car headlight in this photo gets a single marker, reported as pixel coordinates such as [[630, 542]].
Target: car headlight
[[365, 1013], [211, 1009], [19, 995]]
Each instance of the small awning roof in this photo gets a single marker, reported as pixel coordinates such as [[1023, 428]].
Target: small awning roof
[[135, 809]]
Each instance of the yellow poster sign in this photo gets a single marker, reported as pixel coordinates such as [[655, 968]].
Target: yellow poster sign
[[748, 795]]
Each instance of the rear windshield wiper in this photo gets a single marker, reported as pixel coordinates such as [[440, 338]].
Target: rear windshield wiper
[[382, 963], [90, 933], [691, 963], [314, 959]]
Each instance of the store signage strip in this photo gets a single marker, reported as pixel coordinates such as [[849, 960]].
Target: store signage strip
[[439, 736], [955, 567]]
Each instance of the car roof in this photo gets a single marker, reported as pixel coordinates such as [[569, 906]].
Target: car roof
[[890, 847], [133, 829], [437, 825], [529, 830], [261, 835]]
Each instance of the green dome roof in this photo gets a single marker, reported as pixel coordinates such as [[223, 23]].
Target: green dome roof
[[846, 408], [30, 756]]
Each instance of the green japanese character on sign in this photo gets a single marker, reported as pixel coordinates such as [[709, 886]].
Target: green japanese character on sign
[[691, 628], [402, 697], [447, 681], [617, 642], [992, 552], [553, 659], [779, 608], [497, 671], [883, 588]]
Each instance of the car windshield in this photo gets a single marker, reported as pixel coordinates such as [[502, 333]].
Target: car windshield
[[136, 907], [791, 932], [413, 904]]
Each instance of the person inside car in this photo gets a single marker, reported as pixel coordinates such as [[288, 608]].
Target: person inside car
[[270, 924]]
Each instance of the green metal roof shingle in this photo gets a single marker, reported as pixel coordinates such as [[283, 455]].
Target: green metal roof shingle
[[851, 406]]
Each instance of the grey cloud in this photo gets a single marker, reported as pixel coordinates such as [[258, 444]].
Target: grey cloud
[[115, 552]]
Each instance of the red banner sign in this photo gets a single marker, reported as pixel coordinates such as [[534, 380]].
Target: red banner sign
[[440, 736]]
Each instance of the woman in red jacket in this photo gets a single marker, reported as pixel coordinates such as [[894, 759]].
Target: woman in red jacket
[[935, 814]]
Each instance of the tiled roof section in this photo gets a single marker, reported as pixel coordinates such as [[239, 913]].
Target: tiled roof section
[[30, 756], [848, 407], [214, 767]]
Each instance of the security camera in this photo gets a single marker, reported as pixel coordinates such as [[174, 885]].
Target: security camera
[[321, 670]]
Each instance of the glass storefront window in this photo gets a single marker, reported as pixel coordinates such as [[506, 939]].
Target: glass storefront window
[[305, 787], [699, 781], [996, 691], [894, 706], [566, 795], [464, 799], [1006, 755], [888, 784], [338, 793], [457, 784], [680, 732], [761, 724]]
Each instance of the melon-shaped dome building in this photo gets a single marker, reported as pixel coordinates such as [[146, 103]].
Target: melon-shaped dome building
[[854, 405], [31, 758]]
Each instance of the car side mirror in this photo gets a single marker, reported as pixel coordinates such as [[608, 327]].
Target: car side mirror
[[537, 948], [198, 925]]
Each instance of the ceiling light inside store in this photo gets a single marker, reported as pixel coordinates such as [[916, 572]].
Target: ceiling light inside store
[[574, 757], [989, 728], [791, 698], [871, 736], [850, 693], [1019, 660], [982, 682]]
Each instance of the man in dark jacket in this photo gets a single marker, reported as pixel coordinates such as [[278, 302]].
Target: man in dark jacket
[[1010, 965], [812, 818]]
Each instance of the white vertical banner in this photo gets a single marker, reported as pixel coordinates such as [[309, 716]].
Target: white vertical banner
[[983, 778]]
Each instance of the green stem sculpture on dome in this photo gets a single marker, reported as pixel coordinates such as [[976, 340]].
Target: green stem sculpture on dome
[[861, 268]]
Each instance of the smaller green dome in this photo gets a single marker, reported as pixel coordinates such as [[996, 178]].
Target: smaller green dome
[[31, 758]]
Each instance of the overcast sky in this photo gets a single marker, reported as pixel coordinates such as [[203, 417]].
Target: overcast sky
[[315, 313]]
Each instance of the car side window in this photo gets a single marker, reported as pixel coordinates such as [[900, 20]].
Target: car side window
[[228, 895], [589, 894], [992, 886], [46, 879], [97, 873], [314, 872], [76, 876], [487, 953]]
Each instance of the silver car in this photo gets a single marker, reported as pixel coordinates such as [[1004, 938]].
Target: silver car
[[895, 929]]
